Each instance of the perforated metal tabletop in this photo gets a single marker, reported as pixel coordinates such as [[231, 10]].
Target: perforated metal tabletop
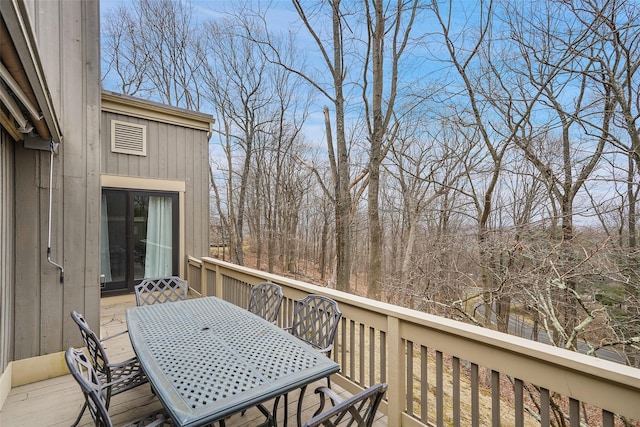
[[208, 359]]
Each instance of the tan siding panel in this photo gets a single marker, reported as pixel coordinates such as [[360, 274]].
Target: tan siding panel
[[7, 249], [46, 21], [69, 47], [69, 186], [78, 234], [28, 255], [90, 285], [174, 153], [187, 146], [51, 290], [201, 199]]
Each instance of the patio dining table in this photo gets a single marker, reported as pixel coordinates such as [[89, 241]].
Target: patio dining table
[[208, 359]]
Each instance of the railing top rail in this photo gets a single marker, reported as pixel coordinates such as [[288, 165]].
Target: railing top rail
[[194, 261]]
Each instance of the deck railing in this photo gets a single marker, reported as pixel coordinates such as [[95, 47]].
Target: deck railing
[[448, 373]]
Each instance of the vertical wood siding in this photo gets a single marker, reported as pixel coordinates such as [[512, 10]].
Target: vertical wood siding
[[174, 153], [7, 248], [69, 52]]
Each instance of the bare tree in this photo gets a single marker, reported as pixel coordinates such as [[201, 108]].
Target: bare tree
[[388, 34], [170, 38], [550, 66], [333, 54], [235, 82], [154, 51], [261, 110], [612, 42], [126, 60], [464, 58], [427, 164], [279, 182]]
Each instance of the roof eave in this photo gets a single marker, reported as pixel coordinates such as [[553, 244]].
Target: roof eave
[[17, 21]]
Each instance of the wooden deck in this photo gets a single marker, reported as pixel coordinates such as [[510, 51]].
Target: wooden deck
[[57, 401]]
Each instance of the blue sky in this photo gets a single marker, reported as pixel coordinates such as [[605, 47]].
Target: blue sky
[[429, 66], [280, 15]]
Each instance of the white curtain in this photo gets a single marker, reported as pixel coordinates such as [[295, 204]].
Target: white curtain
[[105, 255], [158, 260]]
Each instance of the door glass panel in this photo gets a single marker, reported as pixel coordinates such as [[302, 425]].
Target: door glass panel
[[159, 237], [137, 235], [114, 237], [140, 216]]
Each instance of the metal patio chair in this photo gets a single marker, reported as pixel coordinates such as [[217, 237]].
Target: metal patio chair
[[96, 393], [265, 301], [160, 290], [117, 377], [315, 321], [358, 410]]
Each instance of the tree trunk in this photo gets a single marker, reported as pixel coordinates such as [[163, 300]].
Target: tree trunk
[[343, 196], [375, 156], [323, 246], [244, 180], [570, 309]]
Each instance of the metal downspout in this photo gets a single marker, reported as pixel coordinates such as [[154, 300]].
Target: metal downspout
[[52, 149]]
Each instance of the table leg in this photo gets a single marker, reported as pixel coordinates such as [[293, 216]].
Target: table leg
[[299, 414], [273, 417]]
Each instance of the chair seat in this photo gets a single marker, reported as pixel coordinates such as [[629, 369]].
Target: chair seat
[[159, 418], [126, 375], [96, 393], [118, 377], [315, 320], [358, 410]]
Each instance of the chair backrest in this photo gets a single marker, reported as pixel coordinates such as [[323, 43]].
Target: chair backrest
[[98, 356], [315, 320], [90, 384], [265, 300], [161, 290], [359, 410]]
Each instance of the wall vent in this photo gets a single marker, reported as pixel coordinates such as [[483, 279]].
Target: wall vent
[[128, 138]]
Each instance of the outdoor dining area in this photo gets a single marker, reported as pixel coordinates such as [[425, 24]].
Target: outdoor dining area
[[207, 360], [223, 355]]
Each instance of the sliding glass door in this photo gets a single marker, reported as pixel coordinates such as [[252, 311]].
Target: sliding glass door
[[139, 237]]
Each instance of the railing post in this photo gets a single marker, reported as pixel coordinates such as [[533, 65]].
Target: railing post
[[396, 377], [187, 274], [218, 291], [203, 279]]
